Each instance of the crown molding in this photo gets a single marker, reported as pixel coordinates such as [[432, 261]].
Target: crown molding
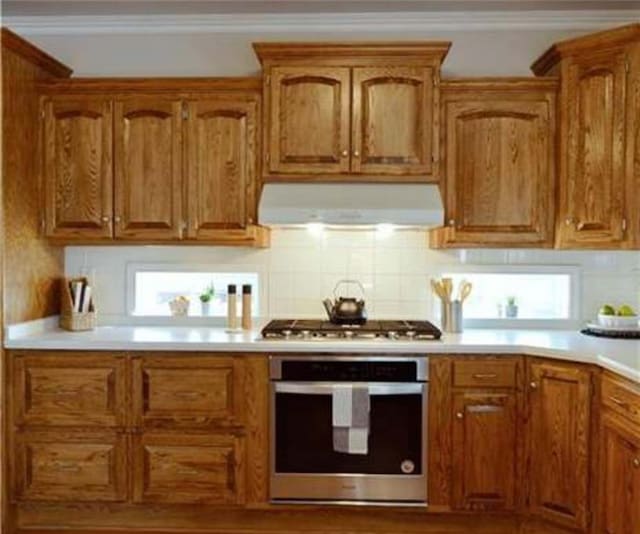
[[325, 22]]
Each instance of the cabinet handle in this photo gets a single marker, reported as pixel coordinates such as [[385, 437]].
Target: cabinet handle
[[481, 376], [188, 394], [187, 471], [617, 401], [460, 415], [356, 154], [636, 463], [533, 385], [568, 221], [345, 153], [68, 466], [580, 226]]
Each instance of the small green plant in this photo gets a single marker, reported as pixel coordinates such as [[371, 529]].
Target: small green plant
[[207, 294], [511, 301]]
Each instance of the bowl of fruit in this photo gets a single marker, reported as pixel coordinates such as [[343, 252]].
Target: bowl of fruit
[[623, 317]]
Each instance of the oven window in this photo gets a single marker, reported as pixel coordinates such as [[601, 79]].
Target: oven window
[[304, 436]]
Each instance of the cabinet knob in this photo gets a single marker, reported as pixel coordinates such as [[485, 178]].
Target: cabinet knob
[[345, 153], [452, 222], [356, 154], [460, 415], [580, 226], [636, 463], [117, 218], [568, 221], [105, 219], [533, 385]]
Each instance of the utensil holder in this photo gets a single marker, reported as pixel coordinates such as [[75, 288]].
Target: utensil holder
[[451, 316], [72, 320]]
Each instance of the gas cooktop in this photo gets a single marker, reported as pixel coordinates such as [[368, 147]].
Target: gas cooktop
[[297, 329]]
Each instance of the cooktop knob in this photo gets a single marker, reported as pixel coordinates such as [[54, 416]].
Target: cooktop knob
[[347, 334], [392, 334], [410, 334], [305, 333], [286, 333]]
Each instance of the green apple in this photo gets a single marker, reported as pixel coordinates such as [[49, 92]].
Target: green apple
[[607, 309], [626, 311]]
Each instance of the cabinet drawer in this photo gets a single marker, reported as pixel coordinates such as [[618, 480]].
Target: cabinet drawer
[[188, 391], [67, 466], [485, 372], [622, 397], [179, 468], [69, 390]]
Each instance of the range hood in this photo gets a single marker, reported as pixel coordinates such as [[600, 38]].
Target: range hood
[[351, 204]]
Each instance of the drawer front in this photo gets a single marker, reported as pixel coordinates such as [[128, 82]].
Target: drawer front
[[485, 372], [61, 466], [622, 397], [58, 389], [188, 469], [187, 391]]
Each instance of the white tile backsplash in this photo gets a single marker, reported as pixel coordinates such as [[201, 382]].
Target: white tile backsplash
[[299, 269]]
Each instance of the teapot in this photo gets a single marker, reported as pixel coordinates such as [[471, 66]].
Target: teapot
[[346, 310]]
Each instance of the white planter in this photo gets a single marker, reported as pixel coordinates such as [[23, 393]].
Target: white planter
[[205, 308]]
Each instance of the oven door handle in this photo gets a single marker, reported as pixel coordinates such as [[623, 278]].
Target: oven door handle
[[375, 388]]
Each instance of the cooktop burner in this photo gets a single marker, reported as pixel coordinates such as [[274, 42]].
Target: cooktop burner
[[311, 328]]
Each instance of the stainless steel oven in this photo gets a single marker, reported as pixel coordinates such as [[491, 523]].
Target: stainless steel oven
[[304, 463]]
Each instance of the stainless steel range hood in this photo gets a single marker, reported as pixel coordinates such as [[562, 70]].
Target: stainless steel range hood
[[351, 204]]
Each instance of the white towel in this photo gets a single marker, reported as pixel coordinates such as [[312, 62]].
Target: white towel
[[350, 418], [342, 405]]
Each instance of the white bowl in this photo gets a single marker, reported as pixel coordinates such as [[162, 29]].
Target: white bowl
[[617, 321]]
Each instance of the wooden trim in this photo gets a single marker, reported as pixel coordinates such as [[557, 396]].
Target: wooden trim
[[33, 54], [511, 83], [151, 85], [600, 40], [285, 51]]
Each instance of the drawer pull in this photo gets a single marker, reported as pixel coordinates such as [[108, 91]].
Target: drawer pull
[[188, 394], [636, 463], [67, 466], [482, 376], [459, 415], [533, 385], [187, 471]]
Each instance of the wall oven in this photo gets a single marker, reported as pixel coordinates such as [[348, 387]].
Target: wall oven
[[305, 465]]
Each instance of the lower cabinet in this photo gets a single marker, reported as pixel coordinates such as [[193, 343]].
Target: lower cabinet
[[619, 477], [559, 442], [485, 435], [69, 466], [182, 468]]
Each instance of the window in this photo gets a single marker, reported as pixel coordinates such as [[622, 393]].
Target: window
[[519, 297], [153, 289]]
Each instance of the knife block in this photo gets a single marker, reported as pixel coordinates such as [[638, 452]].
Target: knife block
[[72, 320]]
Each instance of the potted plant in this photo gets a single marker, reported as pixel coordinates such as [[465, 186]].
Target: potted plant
[[205, 299], [511, 309]]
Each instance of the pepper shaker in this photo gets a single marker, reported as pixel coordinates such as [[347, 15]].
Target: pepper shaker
[[232, 314], [246, 306]]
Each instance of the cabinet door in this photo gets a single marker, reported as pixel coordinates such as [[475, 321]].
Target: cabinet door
[[148, 169], [61, 389], [78, 176], [619, 477], [393, 121], [308, 120], [67, 466], [179, 468], [221, 162], [499, 172], [560, 405], [595, 188], [485, 450], [188, 391]]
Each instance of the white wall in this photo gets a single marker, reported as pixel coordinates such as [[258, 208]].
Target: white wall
[[301, 269]]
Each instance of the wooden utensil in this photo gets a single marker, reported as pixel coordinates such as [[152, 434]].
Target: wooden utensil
[[447, 285], [464, 290]]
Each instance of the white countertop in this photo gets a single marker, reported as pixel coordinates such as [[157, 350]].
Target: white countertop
[[619, 355]]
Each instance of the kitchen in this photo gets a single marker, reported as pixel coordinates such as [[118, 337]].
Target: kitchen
[[319, 266]]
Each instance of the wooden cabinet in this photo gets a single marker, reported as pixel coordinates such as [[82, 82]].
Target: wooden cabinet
[[619, 477], [598, 106], [148, 169], [559, 442], [393, 120], [485, 445], [195, 391], [499, 170], [77, 168], [69, 390], [187, 468], [154, 161], [57, 465], [309, 117], [221, 148], [372, 109]]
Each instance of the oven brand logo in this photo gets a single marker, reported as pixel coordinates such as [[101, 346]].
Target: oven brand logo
[[407, 467]]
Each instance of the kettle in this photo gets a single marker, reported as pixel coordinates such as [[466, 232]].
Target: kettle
[[346, 310]]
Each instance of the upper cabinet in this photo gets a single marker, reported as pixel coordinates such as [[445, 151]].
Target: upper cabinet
[[77, 167], [155, 161], [498, 163], [598, 141], [148, 169], [351, 112]]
